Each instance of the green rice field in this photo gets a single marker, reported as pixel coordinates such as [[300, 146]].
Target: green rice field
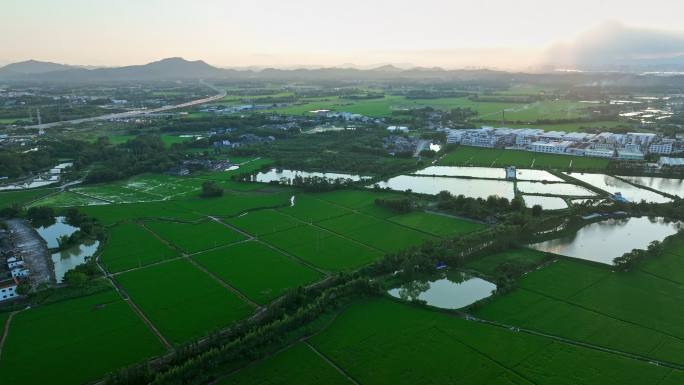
[[49, 344], [130, 245], [436, 224], [195, 237], [480, 156], [10, 198], [257, 270], [381, 341], [288, 368], [322, 248], [182, 301]]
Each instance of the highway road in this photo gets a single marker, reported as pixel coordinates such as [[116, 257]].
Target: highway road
[[129, 114]]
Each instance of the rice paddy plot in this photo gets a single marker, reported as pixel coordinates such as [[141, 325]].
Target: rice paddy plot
[[480, 156], [639, 298], [323, 249], [114, 213], [361, 200], [298, 365], [75, 341], [195, 237], [670, 265], [258, 271], [182, 301], [67, 199], [263, 222], [564, 278], [439, 225], [129, 246], [234, 204], [529, 310], [116, 193], [381, 341], [165, 186], [310, 209], [19, 198], [375, 232], [524, 259]]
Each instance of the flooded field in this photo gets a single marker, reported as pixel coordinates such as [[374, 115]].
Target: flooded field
[[275, 175], [670, 186], [603, 241], [451, 291], [488, 172], [554, 189], [614, 185], [473, 188], [547, 203]]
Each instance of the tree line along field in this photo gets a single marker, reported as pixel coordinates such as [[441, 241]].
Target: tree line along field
[[478, 156], [194, 265]]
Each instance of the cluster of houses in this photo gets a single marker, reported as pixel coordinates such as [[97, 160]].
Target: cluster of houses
[[629, 146], [187, 166], [245, 139], [12, 270], [346, 116]]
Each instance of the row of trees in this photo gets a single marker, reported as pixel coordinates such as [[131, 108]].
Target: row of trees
[[478, 208]]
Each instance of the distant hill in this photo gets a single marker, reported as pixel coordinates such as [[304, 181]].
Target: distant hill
[[166, 69], [31, 67]]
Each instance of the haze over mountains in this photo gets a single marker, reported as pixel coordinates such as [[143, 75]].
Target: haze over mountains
[[610, 47]]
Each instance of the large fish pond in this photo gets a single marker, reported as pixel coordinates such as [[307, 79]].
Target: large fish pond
[[605, 240]]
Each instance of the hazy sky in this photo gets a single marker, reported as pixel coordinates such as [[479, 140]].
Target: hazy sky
[[312, 32]]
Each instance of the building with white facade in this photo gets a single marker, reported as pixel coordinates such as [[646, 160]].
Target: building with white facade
[[8, 289], [552, 147], [664, 147]]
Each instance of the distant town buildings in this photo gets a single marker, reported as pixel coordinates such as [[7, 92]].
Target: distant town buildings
[[397, 129], [631, 146]]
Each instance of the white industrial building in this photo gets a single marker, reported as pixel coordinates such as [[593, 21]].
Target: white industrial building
[[630, 146]]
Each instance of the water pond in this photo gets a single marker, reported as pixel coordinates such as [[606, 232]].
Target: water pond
[[52, 232], [670, 186], [547, 203], [614, 185], [66, 260], [488, 172], [473, 188], [554, 189], [275, 175], [450, 291], [605, 240]]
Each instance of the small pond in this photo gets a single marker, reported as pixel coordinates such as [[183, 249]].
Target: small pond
[[473, 188], [614, 185], [275, 175], [54, 231], [547, 203], [605, 240], [66, 260], [451, 291]]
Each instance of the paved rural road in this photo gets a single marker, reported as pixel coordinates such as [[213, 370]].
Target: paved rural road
[[129, 114]]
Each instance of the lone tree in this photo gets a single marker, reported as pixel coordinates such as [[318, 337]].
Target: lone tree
[[211, 189]]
